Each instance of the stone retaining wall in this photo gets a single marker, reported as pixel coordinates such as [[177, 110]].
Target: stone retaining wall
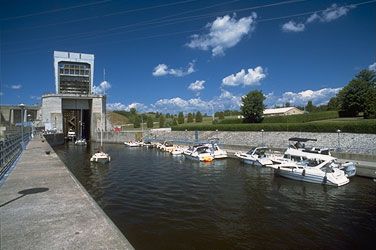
[[343, 142]]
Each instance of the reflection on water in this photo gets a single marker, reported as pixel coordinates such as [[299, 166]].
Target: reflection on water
[[167, 202]]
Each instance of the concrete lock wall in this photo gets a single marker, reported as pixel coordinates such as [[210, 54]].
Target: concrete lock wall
[[52, 112]]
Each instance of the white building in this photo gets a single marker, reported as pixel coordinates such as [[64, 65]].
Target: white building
[[73, 106], [282, 111]]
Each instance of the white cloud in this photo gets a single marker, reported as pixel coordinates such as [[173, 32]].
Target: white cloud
[[197, 86], [163, 69], [318, 97], [252, 77], [34, 97], [16, 86], [1, 93], [291, 26], [227, 100], [372, 67], [102, 88], [224, 32], [330, 14]]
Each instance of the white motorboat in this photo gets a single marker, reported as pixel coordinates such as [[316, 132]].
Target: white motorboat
[[100, 157], [132, 144], [217, 152], [80, 142], [256, 156], [71, 135], [177, 151], [299, 153], [199, 153], [167, 146], [323, 173]]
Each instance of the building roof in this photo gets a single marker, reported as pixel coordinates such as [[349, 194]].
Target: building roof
[[277, 110]]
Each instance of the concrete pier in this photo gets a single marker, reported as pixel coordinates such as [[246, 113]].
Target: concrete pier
[[43, 206]]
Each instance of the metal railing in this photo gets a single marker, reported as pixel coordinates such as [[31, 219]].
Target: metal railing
[[10, 148]]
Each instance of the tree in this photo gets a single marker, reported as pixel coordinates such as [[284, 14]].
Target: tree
[[198, 116], [133, 111], [137, 122], [221, 115], [253, 106], [354, 97], [333, 103], [310, 107], [370, 103], [149, 122], [174, 122], [190, 118], [287, 104], [162, 120], [181, 118]]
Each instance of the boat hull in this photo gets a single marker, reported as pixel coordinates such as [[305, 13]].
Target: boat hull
[[302, 175]]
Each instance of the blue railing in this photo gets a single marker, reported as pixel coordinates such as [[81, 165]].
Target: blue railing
[[10, 149]]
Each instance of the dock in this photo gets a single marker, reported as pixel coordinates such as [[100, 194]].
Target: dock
[[43, 206]]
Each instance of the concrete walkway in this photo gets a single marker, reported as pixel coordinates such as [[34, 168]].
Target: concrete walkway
[[42, 206]]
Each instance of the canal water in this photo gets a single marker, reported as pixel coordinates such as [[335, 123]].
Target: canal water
[[163, 202]]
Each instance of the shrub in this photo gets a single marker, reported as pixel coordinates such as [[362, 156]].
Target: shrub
[[362, 126]]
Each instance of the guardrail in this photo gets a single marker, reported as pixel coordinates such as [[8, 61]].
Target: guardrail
[[10, 148]]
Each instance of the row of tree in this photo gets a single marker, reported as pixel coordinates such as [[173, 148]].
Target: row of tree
[[357, 97]]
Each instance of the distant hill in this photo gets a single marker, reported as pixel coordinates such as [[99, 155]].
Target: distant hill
[[117, 119]]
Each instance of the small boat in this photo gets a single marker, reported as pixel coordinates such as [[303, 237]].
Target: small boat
[[324, 173], [132, 144], [100, 157], [200, 153], [80, 142], [177, 151], [71, 135], [255, 156], [217, 152]]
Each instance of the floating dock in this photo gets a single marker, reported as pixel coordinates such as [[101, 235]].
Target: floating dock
[[43, 206]]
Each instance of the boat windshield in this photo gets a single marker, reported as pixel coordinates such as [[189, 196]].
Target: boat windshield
[[327, 168], [251, 151], [203, 150]]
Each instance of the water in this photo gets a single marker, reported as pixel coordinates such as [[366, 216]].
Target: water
[[163, 202]]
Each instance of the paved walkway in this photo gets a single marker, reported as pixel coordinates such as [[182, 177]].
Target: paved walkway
[[42, 206]]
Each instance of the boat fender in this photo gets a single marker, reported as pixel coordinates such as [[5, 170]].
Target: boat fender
[[303, 173]]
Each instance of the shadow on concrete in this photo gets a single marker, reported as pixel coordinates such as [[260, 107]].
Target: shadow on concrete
[[27, 192]]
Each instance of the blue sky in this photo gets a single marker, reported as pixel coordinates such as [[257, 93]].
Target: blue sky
[[190, 55]]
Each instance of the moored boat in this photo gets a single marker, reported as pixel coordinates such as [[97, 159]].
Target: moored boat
[[324, 173], [255, 156]]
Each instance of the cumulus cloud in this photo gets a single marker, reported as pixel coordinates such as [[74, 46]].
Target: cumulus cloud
[[228, 100], [372, 67], [330, 14], [246, 78], [140, 107], [101, 88], [16, 86], [224, 32], [163, 69], [292, 26], [197, 86], [318, 97]]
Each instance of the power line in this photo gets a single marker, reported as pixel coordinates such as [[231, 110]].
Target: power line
[[163, 22], [54, 10], [200, 16]]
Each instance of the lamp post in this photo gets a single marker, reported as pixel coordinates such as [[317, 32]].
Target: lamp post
[[262, 137], [338, 143], [32, 125], [22, 106]]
